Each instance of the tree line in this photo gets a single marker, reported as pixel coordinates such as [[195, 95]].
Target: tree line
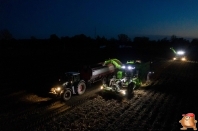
[[83, 41]]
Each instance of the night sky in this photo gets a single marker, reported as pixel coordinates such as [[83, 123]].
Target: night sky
[[108, 18]]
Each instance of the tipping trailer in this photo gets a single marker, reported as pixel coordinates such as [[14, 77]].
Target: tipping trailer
[[134, 74], [76, 82]]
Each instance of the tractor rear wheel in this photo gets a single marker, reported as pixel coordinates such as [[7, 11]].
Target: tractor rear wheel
[[81, 87]]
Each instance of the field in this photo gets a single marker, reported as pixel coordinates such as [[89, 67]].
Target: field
[[160, 106]]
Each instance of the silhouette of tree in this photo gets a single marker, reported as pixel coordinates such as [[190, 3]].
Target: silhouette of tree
[[173, 38], [179, 42], [101, 41], [33, 38], [113, 40], [113, 43], [123, 39], [65, 38], [140, 41], [54, 37], [194, 42], [5, 35], [81, 40], [164, 39]]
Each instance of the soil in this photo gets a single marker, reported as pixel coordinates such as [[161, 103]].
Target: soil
[[159, 106]]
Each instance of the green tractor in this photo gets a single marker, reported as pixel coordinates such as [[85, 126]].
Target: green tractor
[[129, 77], [179, 55]]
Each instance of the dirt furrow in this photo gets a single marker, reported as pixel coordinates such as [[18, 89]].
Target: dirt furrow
[[134, 109], [55, 113]]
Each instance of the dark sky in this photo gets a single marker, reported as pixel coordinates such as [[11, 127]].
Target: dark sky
[[41, 18]]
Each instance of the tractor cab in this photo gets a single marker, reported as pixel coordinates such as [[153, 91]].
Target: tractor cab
[[71, 77], [130, 69]]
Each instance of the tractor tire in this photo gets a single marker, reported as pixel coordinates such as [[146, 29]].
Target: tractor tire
[[66, 95], [130, 89], [81, 88]]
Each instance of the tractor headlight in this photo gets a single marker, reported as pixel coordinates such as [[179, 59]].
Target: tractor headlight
[[130, 68], [58, 89], [183, 59], [123, 67], [123, 92]]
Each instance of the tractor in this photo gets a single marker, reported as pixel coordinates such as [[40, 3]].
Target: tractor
[[131, 75]]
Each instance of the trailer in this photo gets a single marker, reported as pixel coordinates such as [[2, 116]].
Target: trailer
[[71, 83]]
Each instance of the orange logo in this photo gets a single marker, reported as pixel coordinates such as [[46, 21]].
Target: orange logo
[[188, 121]]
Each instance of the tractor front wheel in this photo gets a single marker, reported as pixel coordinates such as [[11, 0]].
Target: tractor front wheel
[[130, 89], [66, 95]]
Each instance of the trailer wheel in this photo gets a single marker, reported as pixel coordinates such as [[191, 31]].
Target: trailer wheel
[[130, 89], [66, 95], [81, 87]]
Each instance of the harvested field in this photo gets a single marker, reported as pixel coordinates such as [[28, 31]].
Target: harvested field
[[160, 106]]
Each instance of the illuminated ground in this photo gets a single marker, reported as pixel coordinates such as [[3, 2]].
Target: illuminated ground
[[157, 107]]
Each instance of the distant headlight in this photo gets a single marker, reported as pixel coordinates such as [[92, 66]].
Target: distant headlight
[[174, 58], [101, 87], [180, 52]]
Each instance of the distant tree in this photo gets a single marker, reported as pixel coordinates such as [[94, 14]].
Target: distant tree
[[54, 37], [179, 42], [104, 39], [65, 38], [101, 40], [81, 37], [81, 41], [123, 38], [113, 40], [173, 38], [113, 43], [141, 40], [33, 38], [5, 35], [194, 42], [164, 39]]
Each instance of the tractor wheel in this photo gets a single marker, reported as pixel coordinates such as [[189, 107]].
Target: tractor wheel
[[114, 88], [81, 87], [130, 89], [66, 95]]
